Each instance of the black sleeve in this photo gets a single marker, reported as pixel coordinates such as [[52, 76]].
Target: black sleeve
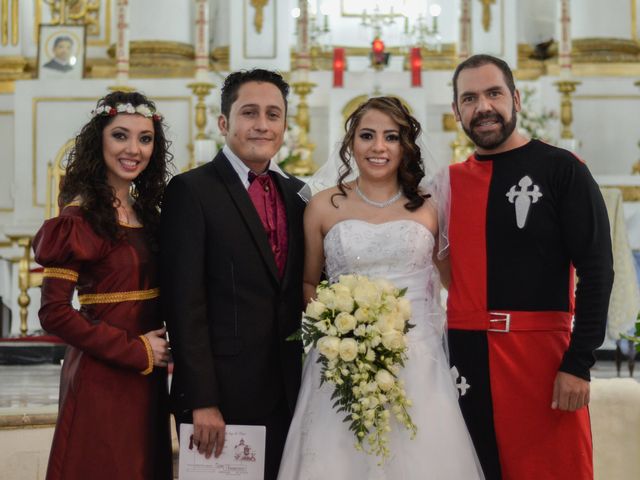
[[585, 226], [183, 295]]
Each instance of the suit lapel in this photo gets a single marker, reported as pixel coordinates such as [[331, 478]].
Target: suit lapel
[[240, 197]]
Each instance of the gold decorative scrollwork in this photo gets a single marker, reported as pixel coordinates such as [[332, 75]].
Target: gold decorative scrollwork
[[5, 21], [486, 14], [84, 12], [258, 17], [15, 9]]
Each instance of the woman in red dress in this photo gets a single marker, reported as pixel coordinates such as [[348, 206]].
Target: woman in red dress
[[113, 420]]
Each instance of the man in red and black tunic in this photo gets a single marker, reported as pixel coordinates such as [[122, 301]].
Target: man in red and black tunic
[[524, 214]]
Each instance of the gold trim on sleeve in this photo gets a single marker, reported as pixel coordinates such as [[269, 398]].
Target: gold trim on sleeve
[[147, 346], [61, 273], [117, 297]]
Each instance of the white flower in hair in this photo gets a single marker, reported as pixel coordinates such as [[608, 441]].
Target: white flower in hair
[[125, 108], [144, 110]]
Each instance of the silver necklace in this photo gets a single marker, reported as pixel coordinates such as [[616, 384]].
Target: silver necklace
[[373, 203]]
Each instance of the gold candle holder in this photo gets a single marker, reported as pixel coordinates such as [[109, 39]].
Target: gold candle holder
[[26, 278], [461, 146], [566, 88], [122, 88], [304, 165], [635, 168], [201, 90]]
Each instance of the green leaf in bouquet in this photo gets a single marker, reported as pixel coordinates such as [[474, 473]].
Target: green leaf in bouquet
[[295, 336]]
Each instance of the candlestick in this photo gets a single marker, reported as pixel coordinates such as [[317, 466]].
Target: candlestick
[[202, 40], [303, 166], [566, 88], [122, 43], [564, 49], [465, 29]]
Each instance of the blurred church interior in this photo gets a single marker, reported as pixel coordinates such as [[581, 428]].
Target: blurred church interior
[[577, 66]]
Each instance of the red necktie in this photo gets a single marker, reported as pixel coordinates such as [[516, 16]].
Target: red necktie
[[270, 208]]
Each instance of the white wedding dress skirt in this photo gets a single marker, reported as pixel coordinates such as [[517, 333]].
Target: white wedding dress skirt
[[319, 445]]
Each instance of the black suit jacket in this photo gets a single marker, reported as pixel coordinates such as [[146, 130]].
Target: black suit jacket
[[227, 311]]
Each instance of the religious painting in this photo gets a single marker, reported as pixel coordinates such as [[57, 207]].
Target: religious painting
[[61, 51]]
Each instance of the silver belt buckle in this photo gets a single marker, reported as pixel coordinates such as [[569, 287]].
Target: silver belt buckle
[[503, 317]]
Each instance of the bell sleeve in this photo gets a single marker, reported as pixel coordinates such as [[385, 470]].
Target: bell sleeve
[[65, 246]]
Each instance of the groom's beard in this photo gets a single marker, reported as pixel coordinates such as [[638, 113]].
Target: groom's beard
[[491, 140]]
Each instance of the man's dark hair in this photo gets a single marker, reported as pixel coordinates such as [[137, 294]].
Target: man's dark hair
[[235, 80], [62, 38], [476, 61]]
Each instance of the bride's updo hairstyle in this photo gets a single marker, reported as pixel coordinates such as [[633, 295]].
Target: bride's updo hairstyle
[[411, 169]]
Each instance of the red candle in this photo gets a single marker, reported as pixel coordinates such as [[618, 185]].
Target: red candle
[[415, 61], [338, 67]]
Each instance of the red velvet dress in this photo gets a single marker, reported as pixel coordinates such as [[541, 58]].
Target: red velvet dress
[[113, 420]]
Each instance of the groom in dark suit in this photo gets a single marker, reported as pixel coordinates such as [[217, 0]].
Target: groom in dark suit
[[231, 275]]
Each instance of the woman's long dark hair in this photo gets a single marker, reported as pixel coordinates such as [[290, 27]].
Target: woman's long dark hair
[[86, 174], [411, 169]]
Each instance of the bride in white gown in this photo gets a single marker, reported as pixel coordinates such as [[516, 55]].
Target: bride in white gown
[[381, 226]]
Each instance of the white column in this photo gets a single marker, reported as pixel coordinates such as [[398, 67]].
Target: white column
[[464, 41], [303, 61], [122, 42], [202, 40], [564, 47]]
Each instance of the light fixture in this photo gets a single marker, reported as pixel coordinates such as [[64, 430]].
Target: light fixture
[[424, 33]]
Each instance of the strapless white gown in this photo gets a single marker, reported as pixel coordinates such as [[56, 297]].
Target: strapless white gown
[[319, 445]]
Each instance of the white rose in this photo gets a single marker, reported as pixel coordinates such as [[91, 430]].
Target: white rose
[[340, 289], [344, 302], [348, 281], [362, 314], [385, 380], [328, 297], [386, 322], [315, 309], [329, 347], [390, 303], [366, 294], [348, 349], [398, 321], [385, 285], [404, 306], [360, 331], [393, 340], [345, 322]]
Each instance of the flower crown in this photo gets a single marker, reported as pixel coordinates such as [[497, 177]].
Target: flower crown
[[142, 109]]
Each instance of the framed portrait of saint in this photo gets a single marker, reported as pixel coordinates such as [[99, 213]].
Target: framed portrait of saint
[[61, 51]]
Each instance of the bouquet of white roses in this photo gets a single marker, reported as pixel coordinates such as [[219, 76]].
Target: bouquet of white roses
[[358, 326]]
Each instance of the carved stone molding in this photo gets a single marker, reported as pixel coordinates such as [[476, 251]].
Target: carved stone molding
[[14, 68], [605, 50], [150, 59]]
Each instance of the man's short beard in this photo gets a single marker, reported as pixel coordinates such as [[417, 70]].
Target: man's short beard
[[492, 141]]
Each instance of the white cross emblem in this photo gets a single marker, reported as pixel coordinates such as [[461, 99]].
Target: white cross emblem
[[463, 386], [523, 198]]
